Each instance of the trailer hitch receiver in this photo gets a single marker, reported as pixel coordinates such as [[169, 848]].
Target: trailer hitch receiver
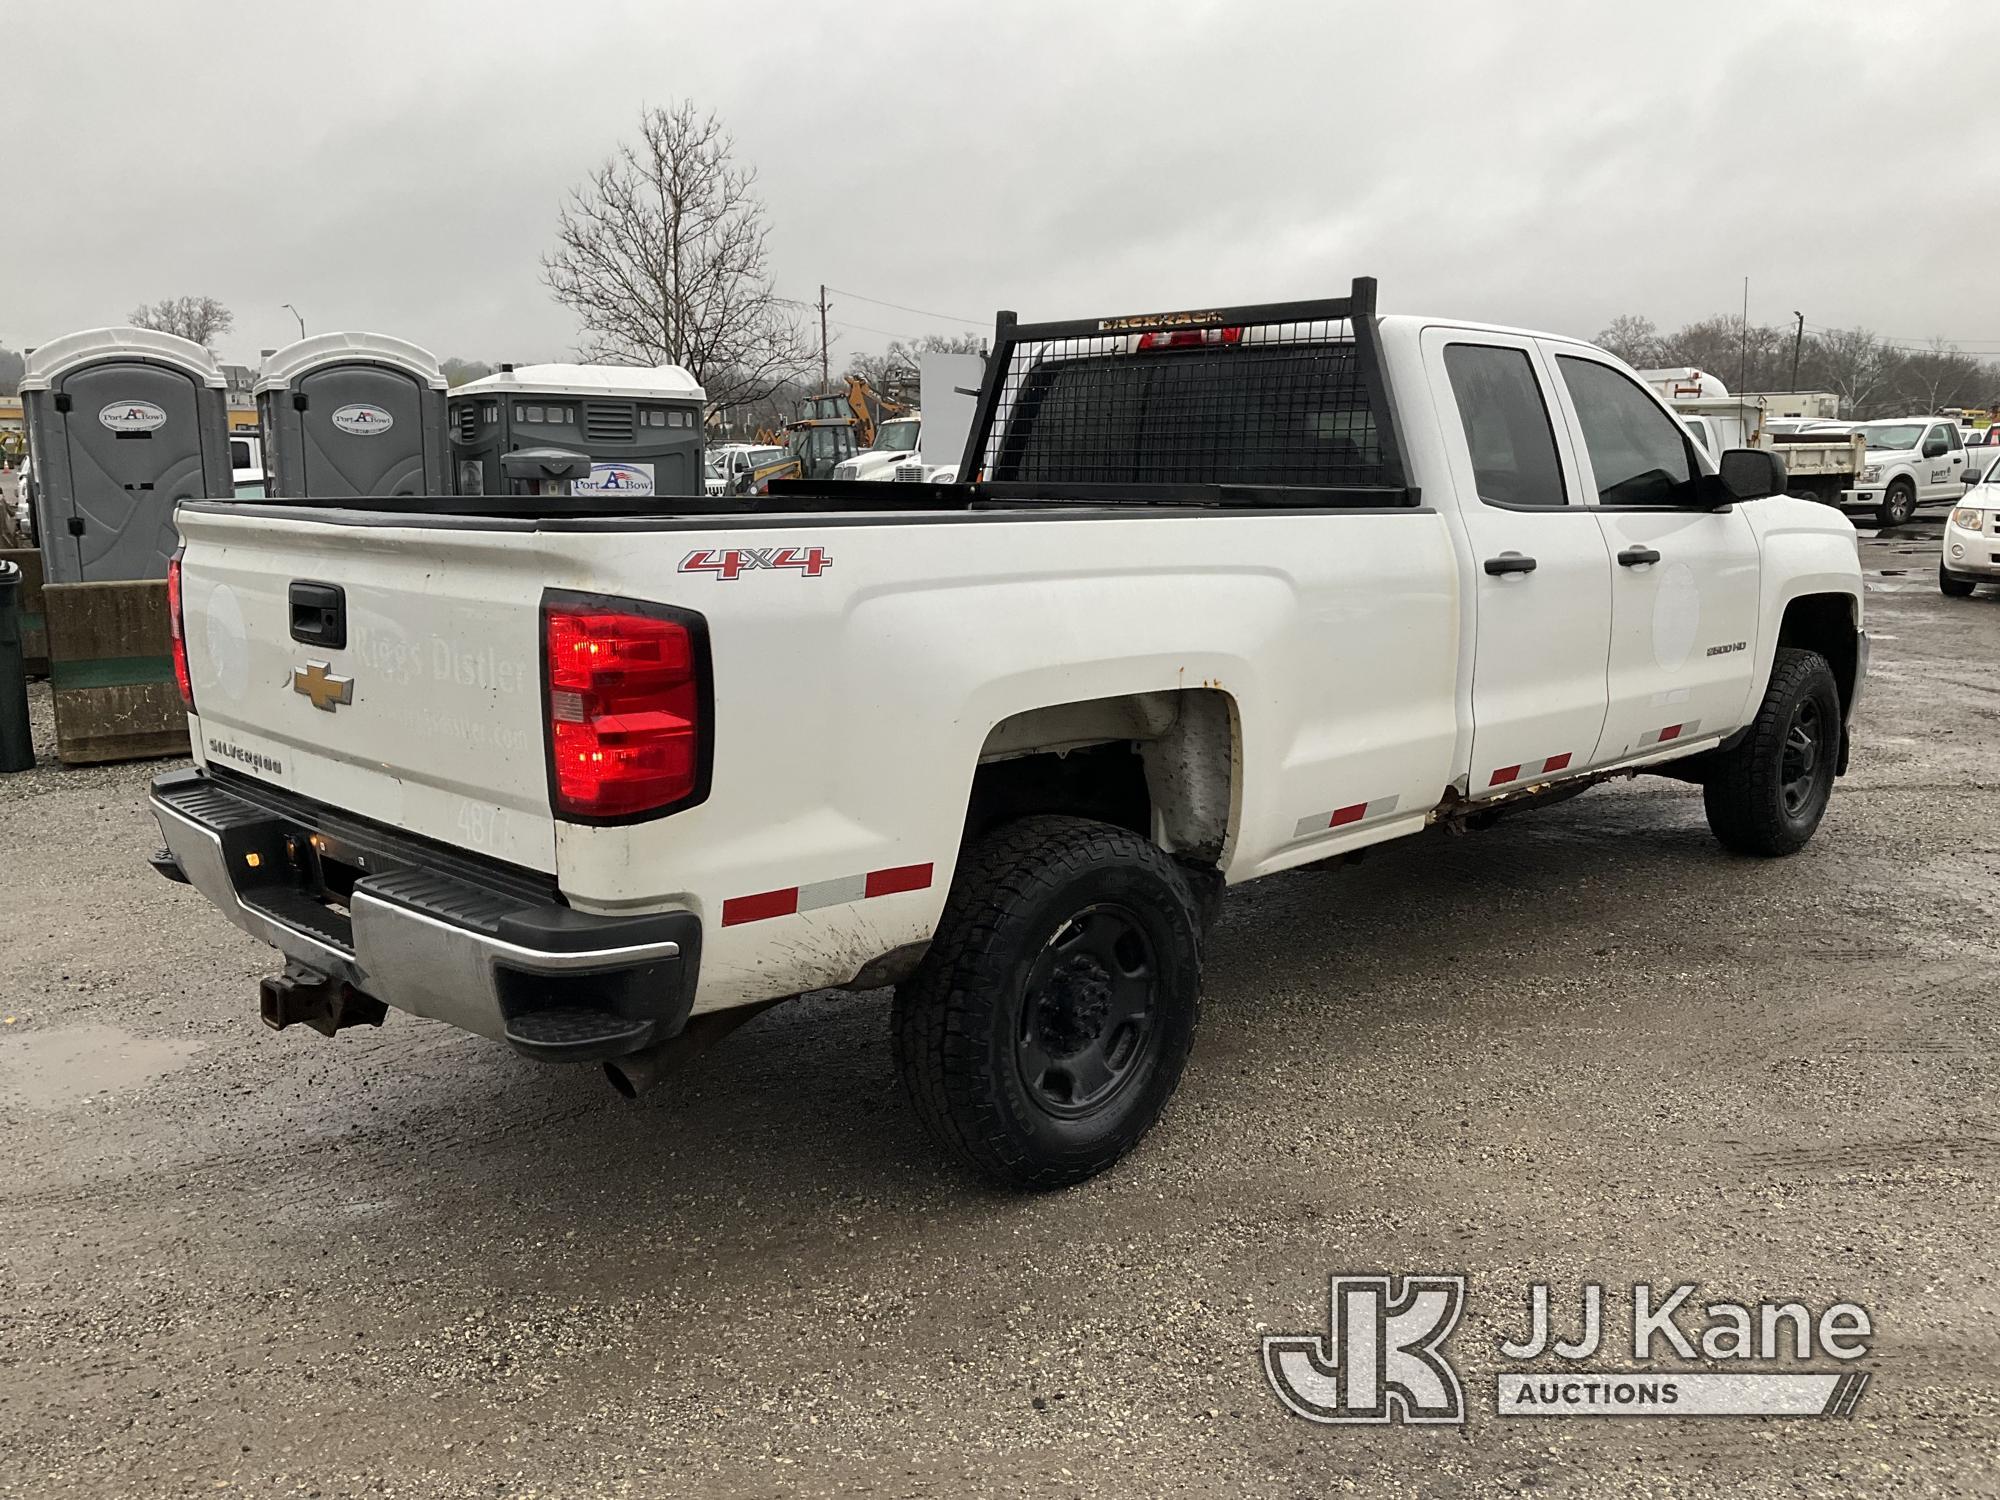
[[303, 995]]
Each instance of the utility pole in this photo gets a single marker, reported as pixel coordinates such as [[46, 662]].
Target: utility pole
[[825, 378], [1743, 344], [1798, 343], [299, 315]]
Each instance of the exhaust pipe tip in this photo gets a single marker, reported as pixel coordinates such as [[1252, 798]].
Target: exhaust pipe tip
[[636, 1072]]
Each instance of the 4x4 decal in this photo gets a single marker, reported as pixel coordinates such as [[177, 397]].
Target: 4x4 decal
[[730, 563]]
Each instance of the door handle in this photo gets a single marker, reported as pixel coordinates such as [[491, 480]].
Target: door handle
[[1509, 562], [1637, 557]]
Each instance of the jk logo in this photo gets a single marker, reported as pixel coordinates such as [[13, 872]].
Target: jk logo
[[1380, 1359]]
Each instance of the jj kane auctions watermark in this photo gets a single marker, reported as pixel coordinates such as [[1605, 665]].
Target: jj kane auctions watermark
[[1383, 1356]]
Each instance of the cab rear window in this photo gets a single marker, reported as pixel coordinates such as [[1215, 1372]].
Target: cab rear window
[[1275, 414]]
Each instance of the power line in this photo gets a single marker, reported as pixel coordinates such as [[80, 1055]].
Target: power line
[[1919, 346], [920, 312]]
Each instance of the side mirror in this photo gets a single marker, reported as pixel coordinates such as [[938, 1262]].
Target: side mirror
[[1936, 448], [1751, 474], [1972, 476]]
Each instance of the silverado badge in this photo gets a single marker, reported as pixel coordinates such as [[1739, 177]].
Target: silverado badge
[[318, 683]]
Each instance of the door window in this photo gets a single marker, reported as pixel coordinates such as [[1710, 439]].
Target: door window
[[1507, 427], [1639, 454]]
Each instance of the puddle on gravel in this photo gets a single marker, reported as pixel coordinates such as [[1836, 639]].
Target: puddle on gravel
[[44, 1070]]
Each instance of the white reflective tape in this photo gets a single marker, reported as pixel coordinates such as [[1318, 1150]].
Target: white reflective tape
[[837, 892]]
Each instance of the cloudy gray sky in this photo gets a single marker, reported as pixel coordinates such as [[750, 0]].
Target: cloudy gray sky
[[396, 164]]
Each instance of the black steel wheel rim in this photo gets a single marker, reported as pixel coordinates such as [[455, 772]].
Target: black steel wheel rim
[[1089, 1012], [1799, 764]]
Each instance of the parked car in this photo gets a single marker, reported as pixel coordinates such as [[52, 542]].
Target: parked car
[[746, 468], [1911, 461], [1228, 593], [1969, 551]]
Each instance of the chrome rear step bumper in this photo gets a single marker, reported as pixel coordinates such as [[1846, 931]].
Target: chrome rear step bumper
[[485, 947]]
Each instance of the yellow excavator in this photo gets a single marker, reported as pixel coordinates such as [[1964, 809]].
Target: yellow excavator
[[836, 425]]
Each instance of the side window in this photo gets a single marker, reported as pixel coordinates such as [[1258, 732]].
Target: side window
[[1639, 454], [1507, 427]]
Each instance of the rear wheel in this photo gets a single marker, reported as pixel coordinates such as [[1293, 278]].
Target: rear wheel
[[1899, 503], [1768, 794], [1953, 588], [1052, 1016]]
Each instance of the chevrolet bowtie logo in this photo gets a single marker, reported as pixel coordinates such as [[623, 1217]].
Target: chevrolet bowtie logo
[[318, 683]]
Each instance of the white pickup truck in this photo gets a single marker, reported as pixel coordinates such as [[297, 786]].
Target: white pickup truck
[[1910, 461], [1226, 593]]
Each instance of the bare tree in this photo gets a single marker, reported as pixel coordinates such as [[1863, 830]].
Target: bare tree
[[1852, 362], [900, 358], [1940, 376], [661, 255], [202, 319], [12, 367], [458, 371], [1634, 339]]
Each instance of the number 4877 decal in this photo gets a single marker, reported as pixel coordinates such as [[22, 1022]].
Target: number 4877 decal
[[731, 563]]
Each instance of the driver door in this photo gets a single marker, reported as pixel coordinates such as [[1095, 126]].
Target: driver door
[[1941, 463], [1684, 582]]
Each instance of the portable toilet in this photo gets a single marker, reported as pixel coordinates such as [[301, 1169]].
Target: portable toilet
[[641, 426], [122, 424], [353, 414]]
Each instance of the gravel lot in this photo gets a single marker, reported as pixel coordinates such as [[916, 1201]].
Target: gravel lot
[[1585, 1045]]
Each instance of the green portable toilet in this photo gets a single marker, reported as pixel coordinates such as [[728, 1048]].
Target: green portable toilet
[[641, 426]]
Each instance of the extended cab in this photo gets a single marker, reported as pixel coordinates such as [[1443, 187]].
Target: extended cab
[[1226, 593]]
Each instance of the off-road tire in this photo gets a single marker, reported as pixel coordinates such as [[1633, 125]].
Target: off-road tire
[[1745, 790], [1953, 588], [959, 1024], [1899, 503]]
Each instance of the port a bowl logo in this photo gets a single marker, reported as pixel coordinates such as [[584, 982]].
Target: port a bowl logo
[[616, 479], [132, 416], [362, 419]]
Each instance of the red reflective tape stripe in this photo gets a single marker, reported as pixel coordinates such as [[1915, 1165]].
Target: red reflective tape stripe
[[1352, 814], [901, 878], [1555, 762], [764, 904], [1505, 773], [1671, 732]]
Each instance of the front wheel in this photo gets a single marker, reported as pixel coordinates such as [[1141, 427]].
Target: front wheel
[[1051, 1018], [1899, 503], [1953, 588], [1767, 795]]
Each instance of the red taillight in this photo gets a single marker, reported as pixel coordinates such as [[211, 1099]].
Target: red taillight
[[1190, 338], [624, 709], [177, 632]]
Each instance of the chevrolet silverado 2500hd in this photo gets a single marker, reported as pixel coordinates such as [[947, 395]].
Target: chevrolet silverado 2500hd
[[1223, 593]]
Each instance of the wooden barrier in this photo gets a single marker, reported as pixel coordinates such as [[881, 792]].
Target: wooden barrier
[[34, 634], [111, 668]]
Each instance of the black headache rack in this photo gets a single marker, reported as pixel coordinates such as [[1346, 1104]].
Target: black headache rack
[[1277, 404], [1273, 406]]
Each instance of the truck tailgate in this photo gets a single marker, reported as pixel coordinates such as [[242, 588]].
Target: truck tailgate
[[427, 715]]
